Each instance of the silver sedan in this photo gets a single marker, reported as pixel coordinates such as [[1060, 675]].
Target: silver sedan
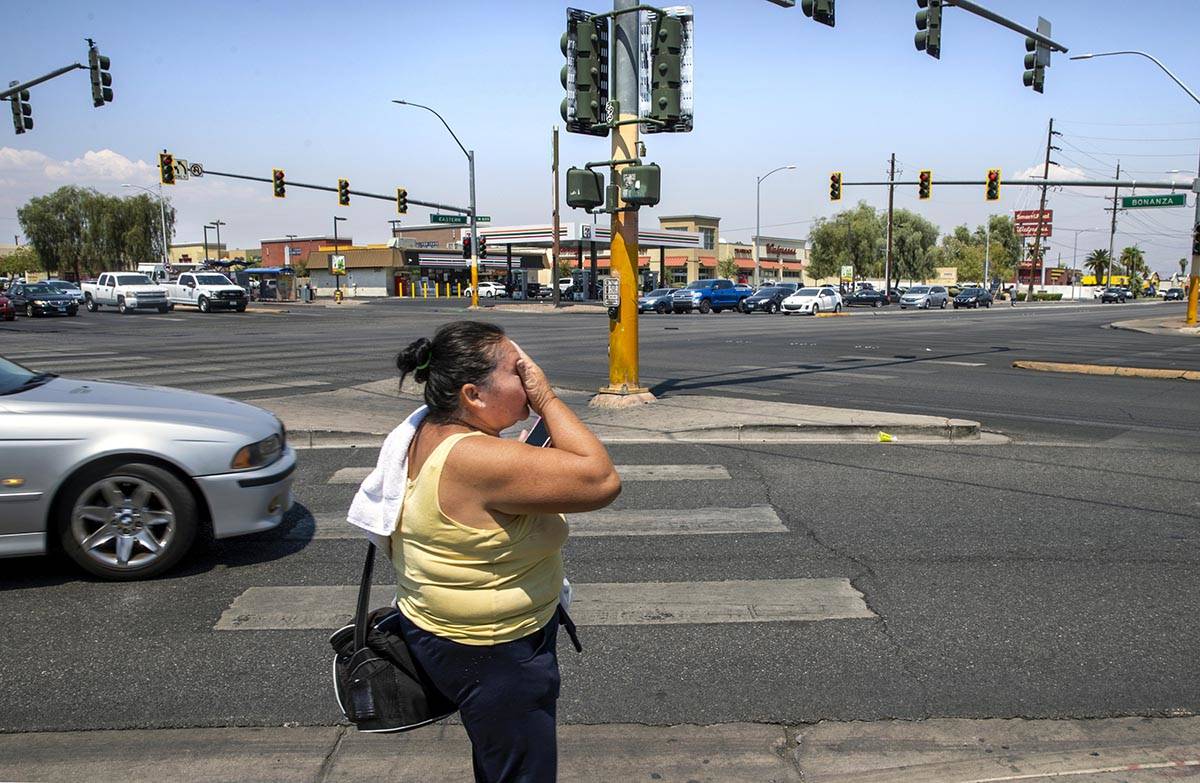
[[123, 478]]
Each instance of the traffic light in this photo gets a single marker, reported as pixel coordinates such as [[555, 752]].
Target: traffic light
[[343, 192], [992, 193], [483, 247], [819, 10], [166, 168], [278, 183], [925, 184], [98, 64], [401, 201], [929, 28], [22, 112], [466, 246], [585, 76], [666, 57], [1035, 71], [835, 186]]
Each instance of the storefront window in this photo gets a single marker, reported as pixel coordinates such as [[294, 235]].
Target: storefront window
[[708, 238], [679, 275]]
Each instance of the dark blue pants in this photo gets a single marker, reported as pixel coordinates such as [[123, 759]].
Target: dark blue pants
[[506, 694]]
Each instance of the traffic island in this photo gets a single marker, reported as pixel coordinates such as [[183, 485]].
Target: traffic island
[[1175, 325], [1110, 370]]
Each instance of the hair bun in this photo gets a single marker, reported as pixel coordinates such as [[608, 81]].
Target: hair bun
[[415, 359]]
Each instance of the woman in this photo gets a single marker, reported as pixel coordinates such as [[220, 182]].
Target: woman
[[478, 546]]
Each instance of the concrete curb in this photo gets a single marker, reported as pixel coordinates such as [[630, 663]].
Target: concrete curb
[[1156, 327], [1110, 370]]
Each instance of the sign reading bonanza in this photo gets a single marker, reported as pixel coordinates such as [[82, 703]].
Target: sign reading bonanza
[[1172, 200]]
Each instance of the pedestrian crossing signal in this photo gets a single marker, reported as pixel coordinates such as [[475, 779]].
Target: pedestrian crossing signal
[[835, 186], [992, 193], [343, 191], [166, 168], [278, 183], [925, 184]]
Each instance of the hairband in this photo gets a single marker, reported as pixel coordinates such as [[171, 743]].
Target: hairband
[[428, 358]]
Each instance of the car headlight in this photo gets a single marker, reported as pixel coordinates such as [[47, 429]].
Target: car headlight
[[39, 302], [256, 455]]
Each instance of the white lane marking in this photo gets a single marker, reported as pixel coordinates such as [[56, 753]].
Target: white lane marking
[[254, 387], [865, 376], [627, 473], [302, 607], [78, 364], [956, 364], [165, 318], [51, 356], [712, 520], [751, 390]]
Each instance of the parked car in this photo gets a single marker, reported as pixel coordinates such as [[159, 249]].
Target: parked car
[[707, 296], [1115, 295], [865, 297], [766, 300], [68, 288], [7, 311], [658, 300], [486, 290], [34, 299], [953, 290], [1173, 294], [127, 291], [1129, 292], [813, 301], [565, 284], [925, 297], [973, 297], [206, 291], [124, 478], [744, 288]]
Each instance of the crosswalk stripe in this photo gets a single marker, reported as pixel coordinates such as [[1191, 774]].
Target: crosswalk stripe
[[54, 355], [710, 520], [355, 475], [256, 387], [91, 361], [957, 364], [304, 607]]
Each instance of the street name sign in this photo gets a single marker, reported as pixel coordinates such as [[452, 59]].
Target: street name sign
[[460, 220], [1171, 200], [1031, 216]]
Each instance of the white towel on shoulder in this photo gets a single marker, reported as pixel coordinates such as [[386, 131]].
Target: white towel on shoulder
[[380, 498]]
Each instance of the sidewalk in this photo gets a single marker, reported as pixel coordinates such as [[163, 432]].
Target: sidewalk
[[362, 415], [1134, 750], [1175, 324]]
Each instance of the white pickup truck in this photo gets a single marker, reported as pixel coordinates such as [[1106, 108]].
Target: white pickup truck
[[127, 291], [206, 291]]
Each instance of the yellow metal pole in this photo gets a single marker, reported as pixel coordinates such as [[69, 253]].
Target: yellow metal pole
[[460, 288]]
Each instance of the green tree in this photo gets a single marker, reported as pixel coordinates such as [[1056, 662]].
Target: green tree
[[1096, 262], [19, 261], [727, 267], [1182, 267], [855, 238], [914, 240], [55, 226], [1134, 261]]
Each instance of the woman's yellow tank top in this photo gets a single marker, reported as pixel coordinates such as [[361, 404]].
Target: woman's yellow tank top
[[470, 585]]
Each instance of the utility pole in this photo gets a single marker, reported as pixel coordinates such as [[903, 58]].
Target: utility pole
[[1112, 234], [474, 235], [987, 253], [1037, 238], [217, 225], [1194, 277], [623, 381], [554, 240], [887, 264]]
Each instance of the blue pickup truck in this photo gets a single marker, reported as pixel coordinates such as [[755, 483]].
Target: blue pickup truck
[[708, 296]]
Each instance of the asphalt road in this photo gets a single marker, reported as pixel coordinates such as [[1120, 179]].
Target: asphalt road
[[1056, 576]]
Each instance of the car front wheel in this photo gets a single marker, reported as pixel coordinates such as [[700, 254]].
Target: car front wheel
[[121, 308], [706, 307], [203, 305], [942, 306], [91, 305], [127, 521], [30, 312]]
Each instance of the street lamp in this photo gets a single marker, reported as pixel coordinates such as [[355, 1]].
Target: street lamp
[[757, 205], [287, 249], [217, 225], [471, 175], [207, 226], [1194, 277], [337, 278], [163, 211]]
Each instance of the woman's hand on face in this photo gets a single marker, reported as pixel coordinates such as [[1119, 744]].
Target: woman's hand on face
[[537, 387]]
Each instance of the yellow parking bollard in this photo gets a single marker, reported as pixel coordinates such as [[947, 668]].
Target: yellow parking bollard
[[460, 288], [424, 290]]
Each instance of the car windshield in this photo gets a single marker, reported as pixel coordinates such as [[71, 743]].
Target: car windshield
[[61, 285], [659, 292], [769, 291], [699, 284], [15, 378], [918, 289], [133, 280], [806, 292], [212, 280], [39, 288], [972, 291]]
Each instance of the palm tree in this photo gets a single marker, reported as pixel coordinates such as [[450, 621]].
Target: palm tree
[[1097, 262], [1134, 260]]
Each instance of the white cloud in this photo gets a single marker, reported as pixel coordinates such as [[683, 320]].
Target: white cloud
[[100, 167], [21, 160], [1056, 172]]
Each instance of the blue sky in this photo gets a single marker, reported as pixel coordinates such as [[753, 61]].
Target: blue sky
[[305, 86]]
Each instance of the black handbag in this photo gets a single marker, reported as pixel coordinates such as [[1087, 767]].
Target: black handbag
[[378, 685]]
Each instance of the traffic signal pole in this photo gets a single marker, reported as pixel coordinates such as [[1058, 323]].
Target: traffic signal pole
[[887, 264], [624, 387], [1037, 236], [474, 235]]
